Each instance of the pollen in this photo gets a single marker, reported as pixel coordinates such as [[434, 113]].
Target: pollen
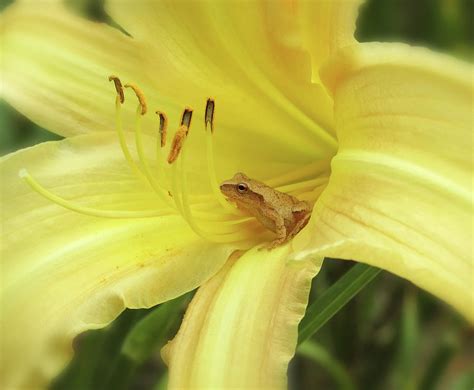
[[163, 127], [118, 88], [177, 144], [186, 117], [140, 97], [209, 116]]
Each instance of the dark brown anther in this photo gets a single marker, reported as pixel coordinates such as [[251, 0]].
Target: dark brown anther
[[209, 117], [118, 87], [186, 117], [177, 144], [140, 97], [163, 127]]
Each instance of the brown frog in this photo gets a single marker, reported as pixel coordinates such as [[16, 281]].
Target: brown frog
[[281, 213]]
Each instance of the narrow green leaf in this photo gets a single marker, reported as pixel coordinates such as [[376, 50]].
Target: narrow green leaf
[[334, 299], [91, 365], [404, 366], [143, 339], [440, 361], [153, 330], [319, 355]]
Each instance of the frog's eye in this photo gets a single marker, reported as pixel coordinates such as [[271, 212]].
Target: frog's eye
[[242, 187]]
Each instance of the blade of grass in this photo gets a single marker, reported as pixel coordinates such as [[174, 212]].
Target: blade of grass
[[321, 356], [334, 299], [440, 361], [143, 339], [91, 364], [405, 362]]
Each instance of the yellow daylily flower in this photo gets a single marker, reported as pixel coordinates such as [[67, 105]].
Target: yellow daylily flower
[[377, 136]]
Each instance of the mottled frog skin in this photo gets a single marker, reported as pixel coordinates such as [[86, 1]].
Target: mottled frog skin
[[281, 213]]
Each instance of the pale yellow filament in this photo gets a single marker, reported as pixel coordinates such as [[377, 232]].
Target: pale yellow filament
[[123, 142], [212, 176], [143, 160], [174, 187], [159, 162], [186, 209], [87, 210]]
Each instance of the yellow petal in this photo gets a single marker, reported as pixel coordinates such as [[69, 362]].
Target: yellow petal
[[236, 53], [240, 330], [400, 192], [63, 273], [327, 26], [55, 67]]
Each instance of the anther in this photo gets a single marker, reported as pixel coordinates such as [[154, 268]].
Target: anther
[[140, 97], [209, 117], [163, 127], [177, 144], [118, 87], [186, 117]]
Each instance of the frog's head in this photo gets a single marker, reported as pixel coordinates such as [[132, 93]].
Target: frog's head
[[240, 189]]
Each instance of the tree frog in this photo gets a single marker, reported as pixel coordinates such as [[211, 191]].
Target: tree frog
[[281, 213]]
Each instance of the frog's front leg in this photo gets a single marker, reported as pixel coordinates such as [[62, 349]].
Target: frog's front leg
[[276, 223], [280, 230]]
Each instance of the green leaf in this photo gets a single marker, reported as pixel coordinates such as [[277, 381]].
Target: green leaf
[[334, 299], [439, 363], [143, 339], [318, 354], [153, 330], [404, 366]]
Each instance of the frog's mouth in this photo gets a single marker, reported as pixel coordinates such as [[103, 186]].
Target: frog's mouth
[[211, 216]]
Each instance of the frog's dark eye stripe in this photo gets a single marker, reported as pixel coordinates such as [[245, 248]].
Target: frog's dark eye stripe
[[242, 187]]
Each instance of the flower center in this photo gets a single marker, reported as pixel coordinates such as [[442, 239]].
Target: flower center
[[210, 216]]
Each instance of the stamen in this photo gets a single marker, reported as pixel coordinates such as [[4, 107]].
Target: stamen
[[141, 154], [119, 128], [160, 143], [177, 144], [87, 210], [186, 117], [118, 87], [209, 117], [140, 97], [225, 233], [209, 122], [188, 216], [174, 188], [163, 127]]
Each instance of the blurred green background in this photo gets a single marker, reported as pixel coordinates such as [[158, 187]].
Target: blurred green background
[[390, 336]]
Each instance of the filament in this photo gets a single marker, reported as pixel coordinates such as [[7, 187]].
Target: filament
[[184, 198], [121, 136], [228, 236], [174, 188], [161, 143], [87, 210], [212, 176], [142, 157]]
